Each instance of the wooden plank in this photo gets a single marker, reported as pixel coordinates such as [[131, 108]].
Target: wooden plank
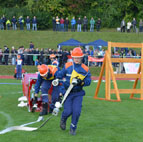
[[127, 91], [109, 73], [128, 60], [136, 81], [109, 48], [141, 72], [128, 45], [113, 78], [100, 78], [107, 79], [128, 75]]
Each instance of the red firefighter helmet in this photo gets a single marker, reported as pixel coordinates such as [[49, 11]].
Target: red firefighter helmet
[[77, 52], [52, 56], [43, 69]]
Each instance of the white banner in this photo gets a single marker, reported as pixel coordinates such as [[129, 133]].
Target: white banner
[[131, 68]]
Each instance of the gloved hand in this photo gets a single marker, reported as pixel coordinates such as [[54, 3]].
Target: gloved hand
[[60, 97], [77, 82], [34, 99], [58, 105], [55, 82], [34, 103], [74, 81], [55, 111]]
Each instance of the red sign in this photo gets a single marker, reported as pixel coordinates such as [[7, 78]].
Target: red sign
[[92, 59]]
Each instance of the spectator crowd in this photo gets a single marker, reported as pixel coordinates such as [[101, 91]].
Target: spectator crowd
[[61, 24], [65, 24], [36, 56], [131, 25], [5, 24]]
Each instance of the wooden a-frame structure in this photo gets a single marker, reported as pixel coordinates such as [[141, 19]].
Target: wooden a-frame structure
[[109, 73]]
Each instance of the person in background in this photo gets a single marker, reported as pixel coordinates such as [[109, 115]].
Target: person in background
[[62, 24], [36, 57], [66, 24], [14, 23], [141, 26], [13, 55], [57, 23], [4, 21], [41, 56], [98, 25], [129, 24], [34, 23], [1, 56], [73, 23], [27, 21], [8, 24], [54, 23], [6, 54], [54, 60], [123, 25], [79, 22], [80, 73], [64, 57], [21, 22], [85, 24], [1, 24], [134, 23], [31, 45], [26, 51], [92, 22], [19, 67]]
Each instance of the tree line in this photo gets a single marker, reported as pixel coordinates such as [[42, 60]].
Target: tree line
[[111, 12]]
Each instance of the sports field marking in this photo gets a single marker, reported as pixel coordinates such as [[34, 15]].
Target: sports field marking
[[10, 83], [12, 93], [8, 117], [95, 81]]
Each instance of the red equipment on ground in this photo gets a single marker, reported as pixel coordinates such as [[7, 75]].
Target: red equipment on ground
[[28, 83]]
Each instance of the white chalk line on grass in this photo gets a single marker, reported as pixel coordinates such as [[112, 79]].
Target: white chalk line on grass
[[96, 81], [8, 117], [12, 93], [10, 83]]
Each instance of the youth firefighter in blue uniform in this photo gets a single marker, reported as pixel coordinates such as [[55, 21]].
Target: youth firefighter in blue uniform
[[73, 103], [45, 77], [19, 67], [54, 60]]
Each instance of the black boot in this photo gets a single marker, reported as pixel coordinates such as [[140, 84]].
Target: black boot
[[72, 131], [44, 109], [63, 124], [34, 104]]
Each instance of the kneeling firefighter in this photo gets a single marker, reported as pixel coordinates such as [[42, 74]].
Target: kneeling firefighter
[[46, 75]]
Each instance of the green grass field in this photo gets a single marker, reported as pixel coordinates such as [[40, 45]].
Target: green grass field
[[9, 70], [100, 121], [50, 39]]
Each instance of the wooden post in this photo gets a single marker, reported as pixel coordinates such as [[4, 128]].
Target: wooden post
[[113, 78], [107, 75], [100, 78], [142, 72], [136, 81]]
